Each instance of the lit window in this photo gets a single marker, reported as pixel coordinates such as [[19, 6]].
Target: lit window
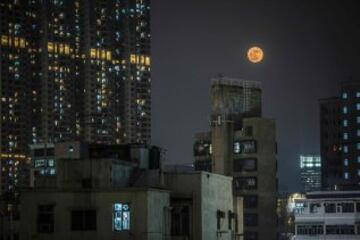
[[346, 175], [346, 136], [51, 162], [147, 61], [121, 217], [346, 162], [237, 148], [108, 55], [50, 47], [93, 53], [344, 95], [345, 123], [71, 149], [345, 110], [358, 159], [346, 149], [358, 106], [358, 94], [39, 163], [4, 40]]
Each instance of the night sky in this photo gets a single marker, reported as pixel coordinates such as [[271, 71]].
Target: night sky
[[310, 46]]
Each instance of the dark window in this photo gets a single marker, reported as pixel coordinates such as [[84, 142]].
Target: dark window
[[180, 220], [50, 152], [358, 207], [248, 235], [203, 165], [250, 219], [83, 220], [45, 219], [250, 201], [340, 229], [248, 164], [347, 207], [39, 152], [330, 207], [310, 230], [245, 183], [248, 131]]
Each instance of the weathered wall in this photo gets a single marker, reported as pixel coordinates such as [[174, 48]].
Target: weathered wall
[[144, 204]]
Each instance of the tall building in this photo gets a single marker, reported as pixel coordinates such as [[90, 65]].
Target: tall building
[[330, 143], [310, 170], [72, 70], [350, 133], [235, 99], [242, 144]]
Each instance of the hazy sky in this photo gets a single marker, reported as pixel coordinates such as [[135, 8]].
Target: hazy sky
[[309, 47]]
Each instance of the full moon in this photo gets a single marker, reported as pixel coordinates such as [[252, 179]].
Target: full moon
[[255, 54]]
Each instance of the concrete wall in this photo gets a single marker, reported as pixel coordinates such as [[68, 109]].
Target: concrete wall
[[148, 214], [209, 193], [264, 134]]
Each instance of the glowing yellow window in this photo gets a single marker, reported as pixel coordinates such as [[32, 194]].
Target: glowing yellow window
[[147, 61], [22, 43], [16, 42], [67, 49], [4, 40], [108, 55], [61, 48], [50, 47], [103, 54], [142, 59], [93, 53], [132, 58]]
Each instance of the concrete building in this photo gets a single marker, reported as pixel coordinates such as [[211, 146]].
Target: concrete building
[[328, 215], [330, 144], [310, 172], [350, 133], [243, 145], [120, 192], [200, 201], [72, 70], [235, 99]]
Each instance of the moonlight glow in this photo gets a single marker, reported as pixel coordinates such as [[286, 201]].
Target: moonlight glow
[[255, 54]]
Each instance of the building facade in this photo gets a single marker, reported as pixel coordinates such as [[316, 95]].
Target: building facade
[[350, 133], [72, 70], [243, 145], [117, 192], [328, 215], [310, 172], [330, 144]]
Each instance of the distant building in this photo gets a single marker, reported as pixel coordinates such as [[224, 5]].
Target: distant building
[[310, 171], [235, 98], [120, 191], [243, 145], [328, 215], [330, 144], [350, 133]]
